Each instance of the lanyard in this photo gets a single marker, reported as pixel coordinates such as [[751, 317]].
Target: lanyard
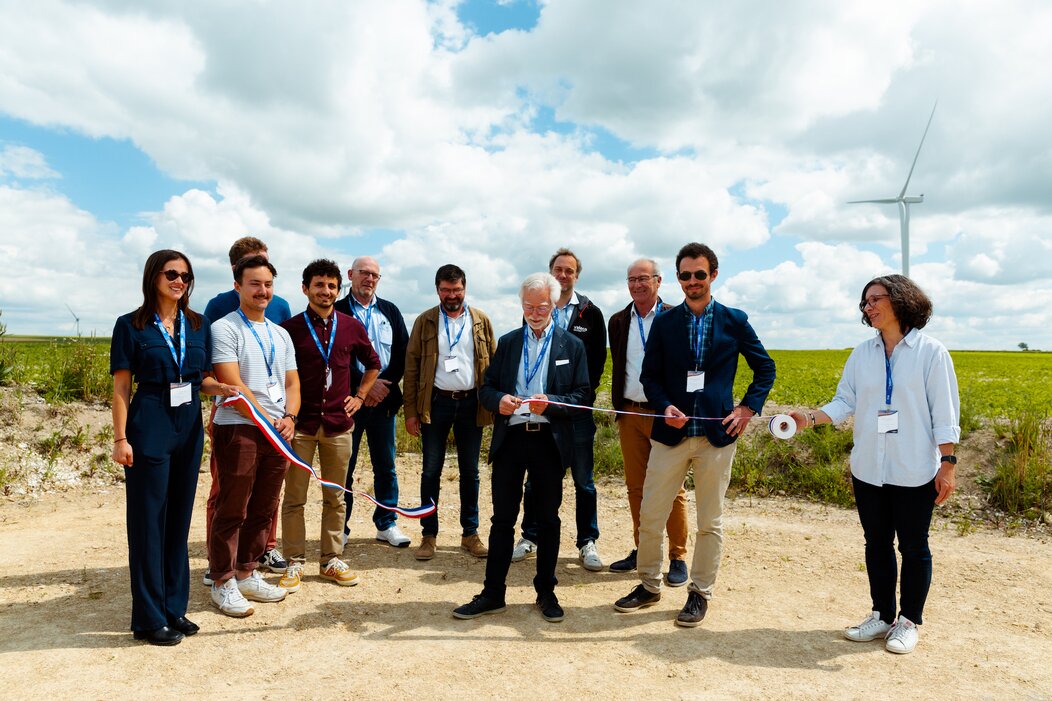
[[181, 358], [368, 315], [445, 318], [699, 331], [325, 353], [526, 371], [888, 385], [639, 322], [269, 363]]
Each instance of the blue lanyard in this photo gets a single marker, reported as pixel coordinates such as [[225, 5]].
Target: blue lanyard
[[526, 371], [699, 331], [368, 315], [269, 363], [181, 358], [888, 385], [639, 321], [445, 318], [325, 353]]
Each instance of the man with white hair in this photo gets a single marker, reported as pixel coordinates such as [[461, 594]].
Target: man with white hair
[[541, 362]]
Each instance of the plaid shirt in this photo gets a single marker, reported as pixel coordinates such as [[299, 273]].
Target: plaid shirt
[[699, 331]]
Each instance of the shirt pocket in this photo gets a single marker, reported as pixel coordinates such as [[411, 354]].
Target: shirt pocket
[[156, 363], [195, 357]]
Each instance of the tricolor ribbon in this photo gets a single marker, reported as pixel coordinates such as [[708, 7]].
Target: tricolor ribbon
[[275, 439]]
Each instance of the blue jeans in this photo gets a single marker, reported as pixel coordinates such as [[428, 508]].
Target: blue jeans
[[584, 486], [379, 430], [457, 415]]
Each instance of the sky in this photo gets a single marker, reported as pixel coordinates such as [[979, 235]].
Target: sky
[[489, 134]]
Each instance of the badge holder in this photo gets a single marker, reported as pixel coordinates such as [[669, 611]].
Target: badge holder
[[695, 380]]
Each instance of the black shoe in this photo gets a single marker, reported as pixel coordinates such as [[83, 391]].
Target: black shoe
[[185, 626], [550, 608], [272, 561], [478, 606], [626, 565], [639, 598], [677, 573], [694, 611], [161, 636]]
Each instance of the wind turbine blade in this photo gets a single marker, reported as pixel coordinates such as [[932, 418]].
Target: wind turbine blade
[[913, 165], [887, 201]]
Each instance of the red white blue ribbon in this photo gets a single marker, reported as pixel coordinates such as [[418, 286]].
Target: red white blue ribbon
[[275, 439]]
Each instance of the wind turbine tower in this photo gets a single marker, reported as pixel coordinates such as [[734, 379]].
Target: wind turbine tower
[[904, 202], [75, 318]]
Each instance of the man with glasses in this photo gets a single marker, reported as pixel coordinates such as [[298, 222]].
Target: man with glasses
[[544, 362], [448, 352], [688, 376], [629, 329], [389, 337]]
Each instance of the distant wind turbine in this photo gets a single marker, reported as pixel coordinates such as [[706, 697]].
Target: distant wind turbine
[[904, 202], [75, 318]]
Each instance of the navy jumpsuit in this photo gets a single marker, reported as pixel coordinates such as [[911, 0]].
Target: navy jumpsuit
[[166, 446]]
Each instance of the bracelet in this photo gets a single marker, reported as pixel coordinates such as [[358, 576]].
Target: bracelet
[[812, 415], [359, 398], [290, 416], [118, 440]]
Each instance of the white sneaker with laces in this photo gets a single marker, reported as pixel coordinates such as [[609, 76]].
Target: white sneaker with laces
[[902, 637], [229, 599], [523, 548], [869, 629], [255, 588], [590, 557], [393, 536]]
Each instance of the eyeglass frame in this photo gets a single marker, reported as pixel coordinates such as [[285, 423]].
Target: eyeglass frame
[[871, 301]]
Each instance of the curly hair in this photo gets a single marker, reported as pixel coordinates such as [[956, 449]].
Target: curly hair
[[911, 306]]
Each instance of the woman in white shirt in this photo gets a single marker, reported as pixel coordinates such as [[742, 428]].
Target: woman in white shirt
[[901, 388]]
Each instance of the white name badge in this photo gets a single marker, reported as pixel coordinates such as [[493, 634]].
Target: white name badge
[[328, 378], [564, 361], [887, 421], [523, 409], [274, 392], [695, 381], [450, 363], [179, 393]]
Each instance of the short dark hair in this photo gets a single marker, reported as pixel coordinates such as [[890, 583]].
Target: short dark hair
[[323, 267], [252, 262], [565, 252], [911, 306], [243, 246], [698, 250], [450, 273]]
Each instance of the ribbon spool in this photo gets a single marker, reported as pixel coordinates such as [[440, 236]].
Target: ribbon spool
[[782, 426]]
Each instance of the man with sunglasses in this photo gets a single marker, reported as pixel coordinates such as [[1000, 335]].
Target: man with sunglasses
[[688, 376]]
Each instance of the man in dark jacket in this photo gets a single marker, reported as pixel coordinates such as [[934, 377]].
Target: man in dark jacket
[[388, 335]]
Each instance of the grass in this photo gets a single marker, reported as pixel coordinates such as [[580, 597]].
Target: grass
[[812, 466], [62, 369], [1022, 478]]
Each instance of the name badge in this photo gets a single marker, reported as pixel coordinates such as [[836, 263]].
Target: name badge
[[449, 363], [179, 393], [328, 378], [887, 421], [695, 380], [274, 392], [564, 361]]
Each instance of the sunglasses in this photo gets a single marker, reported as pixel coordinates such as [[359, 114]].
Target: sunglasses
[[697, 275], [171, 275]]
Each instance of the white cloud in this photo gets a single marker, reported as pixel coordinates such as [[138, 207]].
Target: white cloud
[[24, 162]]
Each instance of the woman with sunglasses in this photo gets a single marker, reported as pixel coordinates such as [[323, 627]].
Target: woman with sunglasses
[[901, 388], [165, 349]]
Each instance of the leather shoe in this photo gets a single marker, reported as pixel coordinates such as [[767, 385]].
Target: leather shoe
[[693, 612], [626, 565], [161, 636], [184, 625]]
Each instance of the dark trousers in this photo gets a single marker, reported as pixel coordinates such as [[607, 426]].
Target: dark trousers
[[582, 470], [251, 473], [886, 512], [460, 416], [522, 453], [379, 430], [159, 487]]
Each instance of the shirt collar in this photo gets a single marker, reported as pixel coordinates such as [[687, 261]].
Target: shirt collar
[[653, 310], [316, 317], [705, 312], [547, 329]]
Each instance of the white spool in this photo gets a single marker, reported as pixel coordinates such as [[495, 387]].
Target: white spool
[[782, 426]]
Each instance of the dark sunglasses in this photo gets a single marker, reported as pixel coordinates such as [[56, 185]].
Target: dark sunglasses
[[697, 275], [171, 275]]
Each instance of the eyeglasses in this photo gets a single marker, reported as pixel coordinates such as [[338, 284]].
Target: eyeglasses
[[870, 301], [697, 274], [644, 279], [368, 273], [171, 275], [530, 309]]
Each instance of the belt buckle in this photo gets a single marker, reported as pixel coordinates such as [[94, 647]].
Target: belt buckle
[[533, 426]]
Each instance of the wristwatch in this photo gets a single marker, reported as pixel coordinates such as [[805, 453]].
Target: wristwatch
[[952, 459]]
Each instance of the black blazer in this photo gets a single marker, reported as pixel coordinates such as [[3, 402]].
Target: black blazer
[[399, 340], [567, 382], [668, 358]]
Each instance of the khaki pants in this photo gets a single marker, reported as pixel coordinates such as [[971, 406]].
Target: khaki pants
[[333, 454], [666, 471]]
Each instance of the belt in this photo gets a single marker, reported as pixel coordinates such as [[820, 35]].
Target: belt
[[639, 405], [456, 394], [530, 426]]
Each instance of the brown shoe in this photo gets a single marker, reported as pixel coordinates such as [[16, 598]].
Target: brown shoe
[[426, 551], [473, 544]]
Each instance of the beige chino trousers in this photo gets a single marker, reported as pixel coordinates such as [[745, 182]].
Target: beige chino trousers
[[334, 452]]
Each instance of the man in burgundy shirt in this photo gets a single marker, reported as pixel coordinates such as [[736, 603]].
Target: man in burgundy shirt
[[327, 342]]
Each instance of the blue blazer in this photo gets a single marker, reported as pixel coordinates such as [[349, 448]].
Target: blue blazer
[[567, 382], [668, 358]]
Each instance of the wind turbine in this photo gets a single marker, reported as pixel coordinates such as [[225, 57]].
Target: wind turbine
[[75, 318], [904, 202]]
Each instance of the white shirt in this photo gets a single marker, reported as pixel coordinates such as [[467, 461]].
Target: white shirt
[[925, 396], [634, 353], [233, 342], [462, 376]]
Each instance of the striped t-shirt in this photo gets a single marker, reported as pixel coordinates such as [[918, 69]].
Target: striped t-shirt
[[234, 342]]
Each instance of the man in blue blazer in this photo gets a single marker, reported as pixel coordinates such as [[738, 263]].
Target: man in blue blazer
[[539, 361], [688, 376]]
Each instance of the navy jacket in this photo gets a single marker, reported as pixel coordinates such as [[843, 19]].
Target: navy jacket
[[567, 382], [668, 358], [396, 368]]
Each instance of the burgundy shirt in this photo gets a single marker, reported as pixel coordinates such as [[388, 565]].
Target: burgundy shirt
[[318, 406]]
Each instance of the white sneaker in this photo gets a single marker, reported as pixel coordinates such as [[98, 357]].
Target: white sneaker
[[229, 599], [590, 557], [394, 536], [523, 548], [902, 637], [255, 588], [869, 629]]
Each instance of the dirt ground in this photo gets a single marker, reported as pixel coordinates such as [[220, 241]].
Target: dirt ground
[[791, 579]]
